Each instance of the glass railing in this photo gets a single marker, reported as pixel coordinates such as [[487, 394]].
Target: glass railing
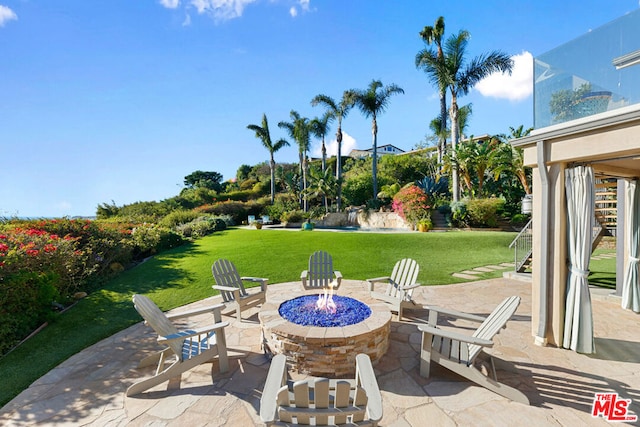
[[597, 72]]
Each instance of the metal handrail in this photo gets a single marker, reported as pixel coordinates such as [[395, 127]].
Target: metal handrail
[[523, 245]]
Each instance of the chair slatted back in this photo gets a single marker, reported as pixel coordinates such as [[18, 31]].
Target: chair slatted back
[[226, 274], [157, 320], [320, 270], [404, 273], [466, 353], [321, 402]]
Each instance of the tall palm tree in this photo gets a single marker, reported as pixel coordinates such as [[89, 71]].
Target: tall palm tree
[[460, 76], [373, 101], [319, 129], [263, 134], [433, 35], [339, 111], [299, 129]]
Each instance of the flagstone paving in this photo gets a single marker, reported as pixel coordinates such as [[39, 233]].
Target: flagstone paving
[[88, 389]]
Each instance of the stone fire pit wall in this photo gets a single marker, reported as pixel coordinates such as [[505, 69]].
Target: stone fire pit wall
[[325, 352]]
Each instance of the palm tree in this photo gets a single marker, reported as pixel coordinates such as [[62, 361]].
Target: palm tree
[[299, 130], [319, 129], [262, 133], [338, 111], [372, 102], [511, 159], [460, 77], [322, 183], [433, 35]]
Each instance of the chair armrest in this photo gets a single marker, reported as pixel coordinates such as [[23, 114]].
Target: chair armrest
[[304, 274], [225, 288], [371, 282], [181, 335], [337, 274], [366, 378], [428, 329], [276, 378], [434, 311], [263, 281], [195, 311], [408, 287]]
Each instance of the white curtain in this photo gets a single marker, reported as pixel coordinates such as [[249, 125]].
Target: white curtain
[[578, 323], [631, 282]]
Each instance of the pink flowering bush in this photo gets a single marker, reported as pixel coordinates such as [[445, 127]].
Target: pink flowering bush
[[412, 204]]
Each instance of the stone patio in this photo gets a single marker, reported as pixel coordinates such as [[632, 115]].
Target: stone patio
[[88, 389]]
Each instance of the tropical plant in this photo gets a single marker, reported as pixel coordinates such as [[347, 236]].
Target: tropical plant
[[299, 130], [339, 111], [322, 183], [459, 76], [373, 101], [263, 134], [433, 35], [510, 159]]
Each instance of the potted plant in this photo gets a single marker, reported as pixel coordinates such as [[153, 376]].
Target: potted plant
[[424, 224]]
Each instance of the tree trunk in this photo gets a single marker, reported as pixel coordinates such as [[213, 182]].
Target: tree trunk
[[339, 166], [374, 167], [455, 176], [442, 138], [272, 166]]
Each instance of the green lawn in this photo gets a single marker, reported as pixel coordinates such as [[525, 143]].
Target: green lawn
[[183, 275]]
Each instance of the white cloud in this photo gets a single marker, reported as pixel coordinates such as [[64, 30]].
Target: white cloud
[[514, 87], [170, 4], [187, 20], [304, 6], [348, 144], [6, 15], [293, 11], [221, 9]]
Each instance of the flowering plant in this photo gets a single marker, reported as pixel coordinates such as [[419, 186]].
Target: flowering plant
[[411, 203]]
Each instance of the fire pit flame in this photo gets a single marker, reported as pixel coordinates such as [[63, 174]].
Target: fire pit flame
[[325, 301]]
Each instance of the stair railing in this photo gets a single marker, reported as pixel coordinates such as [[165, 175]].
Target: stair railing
[[523, 246]]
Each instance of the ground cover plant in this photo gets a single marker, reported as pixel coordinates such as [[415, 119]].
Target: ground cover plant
[[182, 275]]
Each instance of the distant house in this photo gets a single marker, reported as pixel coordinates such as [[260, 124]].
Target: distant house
[[382, 150]]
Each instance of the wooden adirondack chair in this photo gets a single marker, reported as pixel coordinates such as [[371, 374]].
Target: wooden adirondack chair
[[321, 401], [231, 287], [457, 352], [191, 347], [320, 272], [400, 285]]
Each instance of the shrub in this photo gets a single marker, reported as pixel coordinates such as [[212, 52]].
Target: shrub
[[459, 213], [293, 216], [238, 211], [484, 212], [411, 203], [149, 239], [177, 218], [39, 252], [201, 227], [25, 303]]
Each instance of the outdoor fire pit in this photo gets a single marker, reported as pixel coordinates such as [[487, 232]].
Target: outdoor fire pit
[[322, 334]]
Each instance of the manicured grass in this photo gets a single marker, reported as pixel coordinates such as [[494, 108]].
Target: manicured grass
[[183, 275], [603, 271]]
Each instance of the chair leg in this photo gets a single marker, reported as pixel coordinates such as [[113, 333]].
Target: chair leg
[[425, 355]]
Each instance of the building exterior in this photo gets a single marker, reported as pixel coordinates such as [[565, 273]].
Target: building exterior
[[587, 133], [382, 150]]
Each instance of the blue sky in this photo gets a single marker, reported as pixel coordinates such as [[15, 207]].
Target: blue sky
[[119, 100]]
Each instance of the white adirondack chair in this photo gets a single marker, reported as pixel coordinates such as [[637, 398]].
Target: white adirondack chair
[[191, 347], [457, 352], [231, 287], [320, 272], [399, 286], [321, 401]]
